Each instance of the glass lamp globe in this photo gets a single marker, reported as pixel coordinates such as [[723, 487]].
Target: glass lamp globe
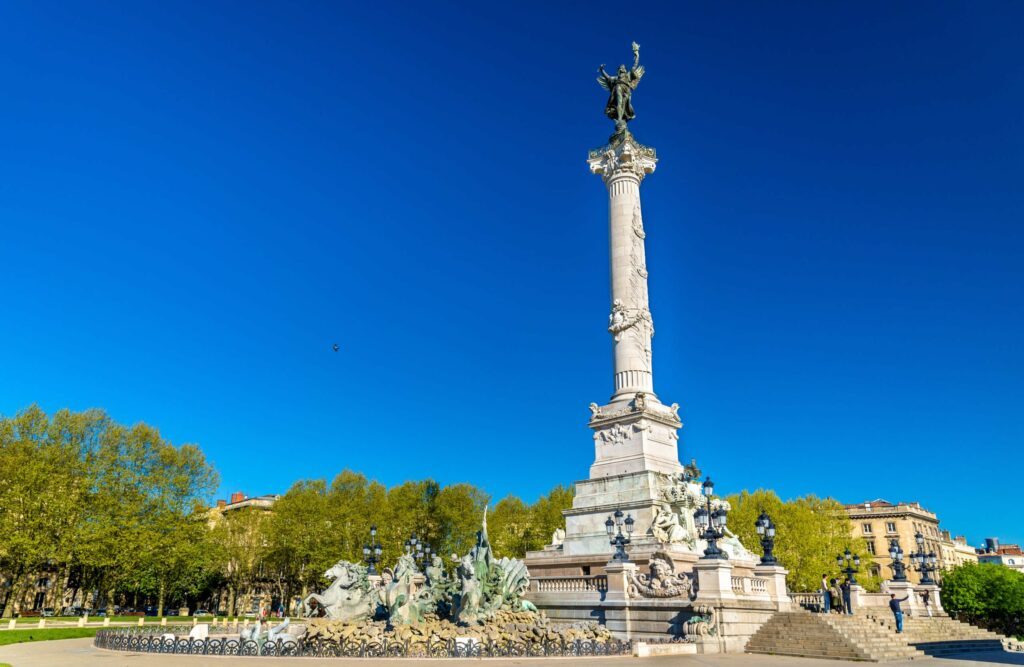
[[708, 487], [629, 525], [609, 525]]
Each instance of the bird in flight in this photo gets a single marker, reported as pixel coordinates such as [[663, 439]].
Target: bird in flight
[[335, 347]]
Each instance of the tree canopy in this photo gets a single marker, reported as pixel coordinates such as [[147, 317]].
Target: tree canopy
[[810, 533], [986, 594]]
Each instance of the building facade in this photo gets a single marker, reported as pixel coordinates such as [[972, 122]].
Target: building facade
[[1007, 555], [878, 522]]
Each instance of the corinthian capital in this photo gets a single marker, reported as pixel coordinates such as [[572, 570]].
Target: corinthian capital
[[624, 157]]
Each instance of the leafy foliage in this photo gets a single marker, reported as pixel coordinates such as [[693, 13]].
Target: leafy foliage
[[986, 594], [101, 505], [810, 533]]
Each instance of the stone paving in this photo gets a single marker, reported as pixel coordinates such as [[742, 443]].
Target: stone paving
[[80, 652]]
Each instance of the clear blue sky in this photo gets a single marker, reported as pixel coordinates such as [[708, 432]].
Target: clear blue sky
[[197, 200]]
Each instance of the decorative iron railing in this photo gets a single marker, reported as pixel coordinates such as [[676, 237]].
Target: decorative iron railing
[[148, 642]]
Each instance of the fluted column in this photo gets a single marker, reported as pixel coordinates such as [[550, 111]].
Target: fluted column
[[623, 167]]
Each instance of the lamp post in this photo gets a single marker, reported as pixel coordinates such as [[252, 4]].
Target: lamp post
[[852, 563], [614, 527], [899, 568], [766, 529], [372, 552], [925, 563], [711, 523]]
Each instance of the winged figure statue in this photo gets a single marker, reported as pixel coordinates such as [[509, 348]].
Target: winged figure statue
[[620, 89]]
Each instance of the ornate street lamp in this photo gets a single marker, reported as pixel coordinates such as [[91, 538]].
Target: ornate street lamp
[[711, 523], [852, 563], [372, 552], [766, 529], [425, 556], [614, 527], [925, 563], [899, 568]]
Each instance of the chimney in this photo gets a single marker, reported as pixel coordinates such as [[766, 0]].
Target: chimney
[[237, 497], [221, 503]]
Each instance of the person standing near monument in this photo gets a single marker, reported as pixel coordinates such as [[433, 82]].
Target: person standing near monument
[[847, 604], [897, 613], [926, 597], [825, 597], [837, 596]]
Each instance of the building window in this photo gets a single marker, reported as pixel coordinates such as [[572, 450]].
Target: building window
[[876, 571], [871, 547], [891, 526], [867, 528]]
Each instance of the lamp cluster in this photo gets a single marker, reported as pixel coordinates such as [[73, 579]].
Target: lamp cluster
[[925, 563], [372, 552], [766, 529], [614, 525], [420, 551], [711, 523], [852, 562], [899, 568]]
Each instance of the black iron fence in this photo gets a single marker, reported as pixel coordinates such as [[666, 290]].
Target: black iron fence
[[147, 641]]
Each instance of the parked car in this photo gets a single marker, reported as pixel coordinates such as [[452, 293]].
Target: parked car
[[48, 612], [101, 612], [202, 612], [72, 611]]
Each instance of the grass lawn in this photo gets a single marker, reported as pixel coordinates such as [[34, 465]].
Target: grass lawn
[[20, 636]]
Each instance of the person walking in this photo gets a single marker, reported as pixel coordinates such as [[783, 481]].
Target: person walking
[[897, 613], [847, 604], [824, 594], [926, 598], [837, 597]]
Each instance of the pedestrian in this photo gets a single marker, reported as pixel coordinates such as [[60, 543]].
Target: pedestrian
[[847, 603], [837, 597], [824, 594], [897, 613], [926, 598]]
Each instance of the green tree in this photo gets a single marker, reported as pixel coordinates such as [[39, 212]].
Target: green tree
[[810, 533], [986, 594]]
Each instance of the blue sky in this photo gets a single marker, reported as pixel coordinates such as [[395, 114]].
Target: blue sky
[[197, 200]]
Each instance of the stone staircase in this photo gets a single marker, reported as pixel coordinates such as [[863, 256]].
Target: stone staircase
[[801, 633], [940, 635]]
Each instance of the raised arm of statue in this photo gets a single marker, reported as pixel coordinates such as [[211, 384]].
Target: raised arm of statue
[[636, 55]]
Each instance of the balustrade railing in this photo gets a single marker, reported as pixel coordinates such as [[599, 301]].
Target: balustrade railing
[[808, 601], [582, 584]]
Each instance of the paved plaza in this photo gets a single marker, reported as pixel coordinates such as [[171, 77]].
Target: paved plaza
[[80, 652]]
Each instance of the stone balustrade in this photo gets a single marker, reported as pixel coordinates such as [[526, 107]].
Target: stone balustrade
[[578, 584], [749, 586]]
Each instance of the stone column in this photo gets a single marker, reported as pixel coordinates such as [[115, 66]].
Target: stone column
[[616, 599], [623, 166]]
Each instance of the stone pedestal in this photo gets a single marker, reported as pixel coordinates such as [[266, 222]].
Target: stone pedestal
[[934, 599], [856, 597], [617, 617], [905, 589], [714, 580], [775, 584]]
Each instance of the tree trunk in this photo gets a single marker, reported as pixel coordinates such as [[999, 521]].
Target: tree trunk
[[231, 600], [17, 588], [160, 600]]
